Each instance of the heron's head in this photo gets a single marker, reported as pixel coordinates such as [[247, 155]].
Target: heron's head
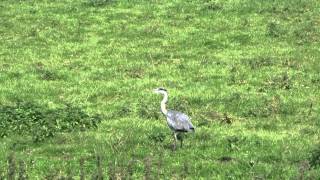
[[160, 90]]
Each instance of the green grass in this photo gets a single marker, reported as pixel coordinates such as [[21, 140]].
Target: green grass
[[255, 62]]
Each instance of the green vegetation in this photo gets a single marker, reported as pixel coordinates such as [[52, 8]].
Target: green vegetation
[[247, 72], [41, 123]]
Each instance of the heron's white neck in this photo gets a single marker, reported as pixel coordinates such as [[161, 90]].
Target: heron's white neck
[[163, 103]]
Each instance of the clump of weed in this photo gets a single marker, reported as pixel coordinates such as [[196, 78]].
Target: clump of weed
[[41, 122], [154, 30], [225, 159], [212, 5], [207, 118], [267, 107], [315, 80], [98, 175], [210, 117], [226, 119], [111, 170], [147, 168], [237, 77], [157, 136], [203, 136], [121, 111], [22, 171], [307, 31], [303, 167], [130, 169], [258, 62], [274, 29], [234, 142], [204, 122], [52, 174], [14, 75], [281, 81], [46, 74], [160, 165], [314, 159], [135, 73], [185, 170], [291, 63], [11, 167], [82, 172]]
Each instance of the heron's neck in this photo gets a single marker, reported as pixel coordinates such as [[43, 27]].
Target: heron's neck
[[163, 104]]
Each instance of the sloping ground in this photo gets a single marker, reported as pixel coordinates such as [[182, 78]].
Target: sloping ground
[[247, 72]]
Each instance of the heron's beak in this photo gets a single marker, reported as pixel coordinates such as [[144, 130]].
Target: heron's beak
[[155, 90]]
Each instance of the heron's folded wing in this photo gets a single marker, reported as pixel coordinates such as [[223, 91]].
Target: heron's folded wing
[[179, 121]]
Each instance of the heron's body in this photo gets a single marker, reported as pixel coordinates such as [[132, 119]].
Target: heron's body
[[178, 122]]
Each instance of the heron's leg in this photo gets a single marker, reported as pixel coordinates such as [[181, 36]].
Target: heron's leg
[[175, 140], [181, 141]]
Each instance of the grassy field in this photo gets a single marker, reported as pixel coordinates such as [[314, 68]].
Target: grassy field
[[246, 72]]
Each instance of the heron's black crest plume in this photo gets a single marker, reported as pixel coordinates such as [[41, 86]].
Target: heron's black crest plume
[[163, 89]]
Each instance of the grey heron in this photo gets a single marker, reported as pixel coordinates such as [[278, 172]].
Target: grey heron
[[178, 122]]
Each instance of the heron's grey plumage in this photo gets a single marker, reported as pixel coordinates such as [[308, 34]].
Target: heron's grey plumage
[[178, 122]]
